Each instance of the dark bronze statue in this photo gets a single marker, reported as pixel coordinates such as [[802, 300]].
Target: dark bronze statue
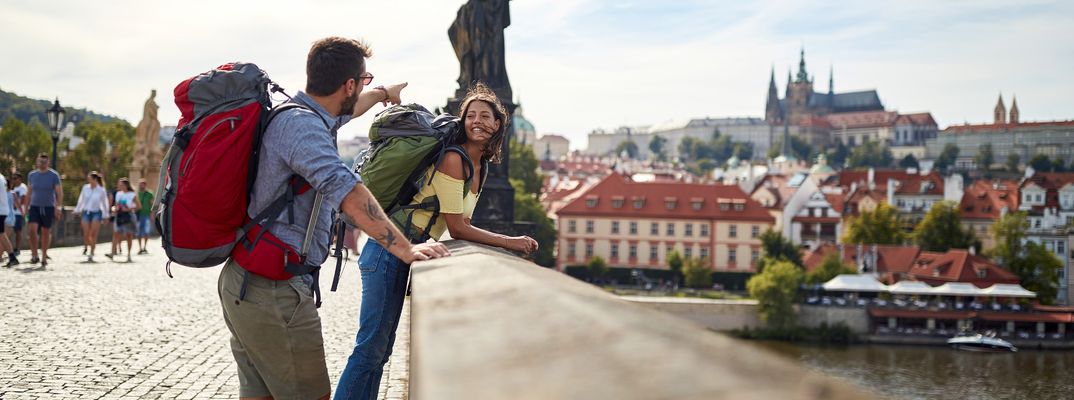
[[477, 36]]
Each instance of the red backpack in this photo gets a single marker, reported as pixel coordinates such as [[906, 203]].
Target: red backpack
[[210, 167]]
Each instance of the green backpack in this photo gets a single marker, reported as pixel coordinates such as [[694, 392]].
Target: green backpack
[[405, 140]]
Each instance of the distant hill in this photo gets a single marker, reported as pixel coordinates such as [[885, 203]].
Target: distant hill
[[29, 110]]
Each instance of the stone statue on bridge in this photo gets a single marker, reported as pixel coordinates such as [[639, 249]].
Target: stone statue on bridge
[[147, 151], [477, 36]]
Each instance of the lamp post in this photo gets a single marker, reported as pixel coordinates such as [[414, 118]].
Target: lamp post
[[55, 121]]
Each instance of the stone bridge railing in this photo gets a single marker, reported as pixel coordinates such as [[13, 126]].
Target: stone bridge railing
[[488, 325]]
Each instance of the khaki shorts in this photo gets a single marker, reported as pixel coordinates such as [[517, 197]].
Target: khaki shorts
[[275, 336]]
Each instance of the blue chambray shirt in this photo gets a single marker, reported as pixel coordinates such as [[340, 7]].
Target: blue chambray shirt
[[297, 143]]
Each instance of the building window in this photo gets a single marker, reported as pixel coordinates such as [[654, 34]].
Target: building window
[[1038, 198], [671, 229], [704, 252], [731, 256], [654, 228], [633, 228], [589, 226], [652, 253], [1061, 249], [617, 203], [725, 206], [732, 231], [696, 204], [688, 251], [639, 203], [591, 202], [704, 230], [670, 203], [754, 254], [572, 226], [570, 250], [740, 206], [633, 251], [615, 250], [755, 231], [668, 249], [589, 250], [982, 273], [615, 227], [689, 230]]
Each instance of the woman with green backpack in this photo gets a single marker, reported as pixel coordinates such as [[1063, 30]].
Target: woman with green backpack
[[456, 184]]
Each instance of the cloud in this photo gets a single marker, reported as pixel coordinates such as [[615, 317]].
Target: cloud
[[575, 65]]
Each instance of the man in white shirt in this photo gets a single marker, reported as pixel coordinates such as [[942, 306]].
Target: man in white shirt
[[5, 245], [19, 193]]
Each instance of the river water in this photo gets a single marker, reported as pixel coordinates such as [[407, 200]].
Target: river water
[[923, 372]]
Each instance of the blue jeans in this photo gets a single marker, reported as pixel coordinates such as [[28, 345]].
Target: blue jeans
[[384, 280]]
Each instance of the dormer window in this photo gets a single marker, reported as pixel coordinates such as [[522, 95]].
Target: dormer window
[[696, 203], [670, 202], [639, 202], [591, 201], [725, 204], [982, 273], [617, 202]]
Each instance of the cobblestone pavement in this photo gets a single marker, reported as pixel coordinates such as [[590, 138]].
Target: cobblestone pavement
[[126, 330]]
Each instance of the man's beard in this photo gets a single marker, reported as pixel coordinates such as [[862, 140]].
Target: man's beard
[[347, 108]]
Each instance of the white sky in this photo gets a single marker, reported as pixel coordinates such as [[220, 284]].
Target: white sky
[[576, 65]]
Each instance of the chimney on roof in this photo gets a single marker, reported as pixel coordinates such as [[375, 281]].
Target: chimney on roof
[[891, 192], [972, 250], [871, 175]]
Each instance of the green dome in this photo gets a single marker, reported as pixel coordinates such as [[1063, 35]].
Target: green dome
[[522, 125]]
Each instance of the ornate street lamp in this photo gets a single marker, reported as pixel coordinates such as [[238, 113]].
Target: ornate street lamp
[[55, 121]]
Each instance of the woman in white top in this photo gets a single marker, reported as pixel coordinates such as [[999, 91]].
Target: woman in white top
[[93, 207], [125, 206]]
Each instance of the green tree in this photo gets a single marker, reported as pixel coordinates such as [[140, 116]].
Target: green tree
[[942, 229], [597, 267], [985, 158], [529, 209], [107, 147], [697, 274], [629, 147], [801, 149], [523, 167], [870, 154], [1040, 163], [1012, 162], [1038, 270], [777, 247], [909, 162], [675, 263], [830, 267], [879, 226], [838, 156], [775, 289], [657, 146], [21, 143], [947, 157], [1036, 267]]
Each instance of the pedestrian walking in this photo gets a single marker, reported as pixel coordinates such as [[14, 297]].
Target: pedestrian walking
[[45, 196], [92, 208], [5, 213], [124, 209], [18, 191], [145, 205]]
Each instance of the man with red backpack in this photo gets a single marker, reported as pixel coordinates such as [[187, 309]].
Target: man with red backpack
[[276, 331]]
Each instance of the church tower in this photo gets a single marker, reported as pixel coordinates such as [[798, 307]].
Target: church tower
[[798, 93], [772, 108], [1000, 113], [1014, 110]]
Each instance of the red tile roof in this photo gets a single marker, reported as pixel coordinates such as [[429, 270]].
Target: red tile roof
[[1051, 182], [655, 196], [889, 258], [916, 119], [863, 119], [907, 183], [968, 128], [958, 265], [985, 199]]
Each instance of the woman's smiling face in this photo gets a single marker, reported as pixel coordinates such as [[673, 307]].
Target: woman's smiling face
[[481, 123]]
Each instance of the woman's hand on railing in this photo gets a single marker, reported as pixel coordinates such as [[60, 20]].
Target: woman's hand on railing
[[522, 244]]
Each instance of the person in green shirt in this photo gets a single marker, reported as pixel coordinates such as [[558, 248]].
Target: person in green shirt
[[145, 200]]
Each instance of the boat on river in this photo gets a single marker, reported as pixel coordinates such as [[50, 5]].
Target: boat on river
[[983, 343]]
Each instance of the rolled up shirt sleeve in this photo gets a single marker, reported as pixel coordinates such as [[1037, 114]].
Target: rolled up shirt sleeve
[[313, 156]]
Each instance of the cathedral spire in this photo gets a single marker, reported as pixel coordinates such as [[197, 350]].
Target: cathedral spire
[[772, 107], [831, 79], [803, 76], [1000, 112], [1014, 110]]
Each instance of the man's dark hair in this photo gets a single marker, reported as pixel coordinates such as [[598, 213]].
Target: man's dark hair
[[42, 155], [17, 175], [332, 61]]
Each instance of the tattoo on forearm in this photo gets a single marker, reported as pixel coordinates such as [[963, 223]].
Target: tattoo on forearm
[[372, 209], [388, 239]]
